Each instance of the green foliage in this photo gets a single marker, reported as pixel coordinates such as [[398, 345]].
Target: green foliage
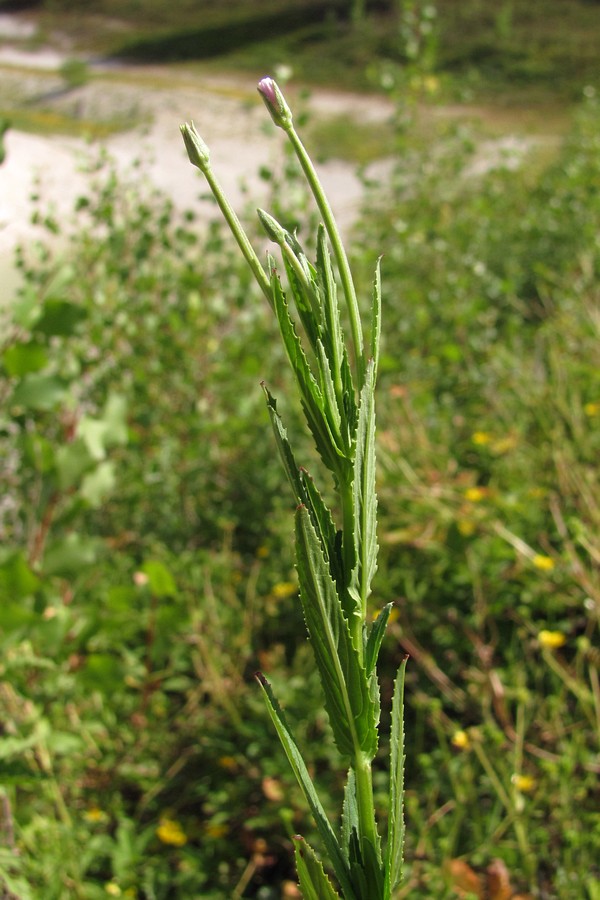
[[133, 614], [75, 72]]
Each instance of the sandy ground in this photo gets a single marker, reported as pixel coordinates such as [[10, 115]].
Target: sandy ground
[[228, 114]]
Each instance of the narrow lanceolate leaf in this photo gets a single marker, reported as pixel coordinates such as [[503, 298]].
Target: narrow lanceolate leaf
[[304, 292], [348, 700], [330, 406], [283, 445], [350, 818], [333, 337], [305, 492], [310, 393], [324, 525], [333, 342], [330, 842], [314, 883], [375, 638], [376, 318], [363, 858], [395, 841], [364, 496]]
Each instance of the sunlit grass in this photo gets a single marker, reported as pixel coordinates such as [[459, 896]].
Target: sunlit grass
[[52, 122]]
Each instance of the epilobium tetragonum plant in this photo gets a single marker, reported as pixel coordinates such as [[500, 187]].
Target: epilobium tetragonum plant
[[336, 562]]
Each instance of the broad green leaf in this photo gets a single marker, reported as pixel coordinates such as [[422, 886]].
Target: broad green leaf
[[92, 432], [114, 415], [364, 495], [314, 883], [347, 697], [160, 580], [17, 581], [70, 555], [59, 317], [107, 430], [27, 308], [23, 358], [97, 485], [395, 842], [39, 452], [375, 638], [299, 769], [72, 461], [39, 392]]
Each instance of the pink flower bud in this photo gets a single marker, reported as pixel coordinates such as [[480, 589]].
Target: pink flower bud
[[275, 102]]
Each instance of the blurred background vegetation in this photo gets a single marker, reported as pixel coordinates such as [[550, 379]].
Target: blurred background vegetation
[[145, 562]]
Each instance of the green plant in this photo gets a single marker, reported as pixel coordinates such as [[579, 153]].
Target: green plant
[[75, 72], [335, 564]]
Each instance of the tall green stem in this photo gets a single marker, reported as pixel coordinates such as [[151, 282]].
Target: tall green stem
[[337, 246], [199, 156], [364, 799]]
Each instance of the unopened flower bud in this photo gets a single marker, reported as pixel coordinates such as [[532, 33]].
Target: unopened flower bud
[[274, 231], [196, 148], [275, 102]]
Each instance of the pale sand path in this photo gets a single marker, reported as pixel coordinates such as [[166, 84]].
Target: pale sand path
[[227, 113]]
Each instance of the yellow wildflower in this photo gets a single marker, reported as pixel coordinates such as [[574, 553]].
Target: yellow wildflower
[[592, 409], [544, 563], [94, 814], [284, 589], [460, 740], [113, 889], [524, 783], [481, 438], [552, 640], [170, 832], [475, 494], [227, 762], [262, 552]]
